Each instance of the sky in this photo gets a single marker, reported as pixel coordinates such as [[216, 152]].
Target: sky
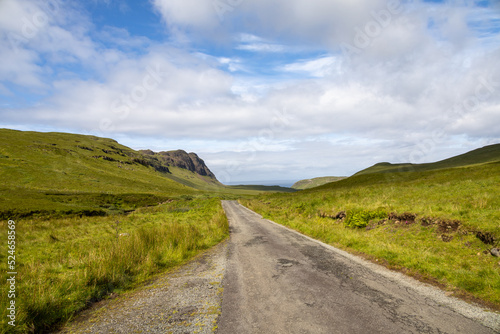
[[261, 90]]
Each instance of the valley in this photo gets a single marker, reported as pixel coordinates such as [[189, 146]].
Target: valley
[[95, 219]]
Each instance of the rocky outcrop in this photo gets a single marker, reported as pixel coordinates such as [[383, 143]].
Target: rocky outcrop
[[181, 159]]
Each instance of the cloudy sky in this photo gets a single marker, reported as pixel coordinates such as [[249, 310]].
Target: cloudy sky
[[261, 90]]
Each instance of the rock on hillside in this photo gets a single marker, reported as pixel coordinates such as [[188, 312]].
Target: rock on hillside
[[182, 159]]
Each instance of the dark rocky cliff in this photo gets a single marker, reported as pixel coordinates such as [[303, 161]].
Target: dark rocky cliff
[[181, 159]]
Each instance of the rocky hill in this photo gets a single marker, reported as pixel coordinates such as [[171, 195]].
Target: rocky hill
[[182, 159], [71, 162]]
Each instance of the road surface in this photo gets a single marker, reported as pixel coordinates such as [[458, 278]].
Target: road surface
[[279, 281]]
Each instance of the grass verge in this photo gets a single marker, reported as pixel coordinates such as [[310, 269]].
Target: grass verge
[[66, 264]]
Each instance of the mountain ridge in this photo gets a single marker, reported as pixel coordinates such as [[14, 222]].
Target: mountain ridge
[[485, 154]]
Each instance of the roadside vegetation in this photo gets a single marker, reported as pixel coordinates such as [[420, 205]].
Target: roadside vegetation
[[66, 264], [438, 226]]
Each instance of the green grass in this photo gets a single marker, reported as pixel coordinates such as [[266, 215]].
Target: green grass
[[18, 203], [315, 182], [424, 248], [65, 264], [194, 180]]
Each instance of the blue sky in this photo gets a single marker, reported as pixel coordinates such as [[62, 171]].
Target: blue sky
[[261, 90]]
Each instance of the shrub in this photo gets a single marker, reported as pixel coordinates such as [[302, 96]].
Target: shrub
[[359, 218]]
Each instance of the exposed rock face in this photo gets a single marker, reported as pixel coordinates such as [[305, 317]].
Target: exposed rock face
[[182, 159]]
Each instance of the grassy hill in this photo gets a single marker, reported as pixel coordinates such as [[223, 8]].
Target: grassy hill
[[437, 225], [315, 182], [482, 155], [48, 172], [69, 162]]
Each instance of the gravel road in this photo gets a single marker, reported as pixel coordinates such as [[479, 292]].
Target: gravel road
[[279, 281]]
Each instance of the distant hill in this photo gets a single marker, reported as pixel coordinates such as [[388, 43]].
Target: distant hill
[[262, 188], [316, 182], [482, 155]]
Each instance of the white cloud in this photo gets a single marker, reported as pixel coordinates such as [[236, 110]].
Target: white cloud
[[261, 47], [312, 21], [36, 35], [232, 64], [20, 67], [249, 38], [319, 67], [192, 98], [187, 12], [120, 37], [253, 43]]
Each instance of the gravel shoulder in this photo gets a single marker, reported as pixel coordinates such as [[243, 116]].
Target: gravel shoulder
[[186, 300]]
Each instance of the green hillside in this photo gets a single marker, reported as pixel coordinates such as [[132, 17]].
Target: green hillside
[[315, 182], [46, 172], [112, 216], [69, 162], [485, 154]]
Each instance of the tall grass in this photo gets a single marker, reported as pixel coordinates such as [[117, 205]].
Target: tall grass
[[66, 264]]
